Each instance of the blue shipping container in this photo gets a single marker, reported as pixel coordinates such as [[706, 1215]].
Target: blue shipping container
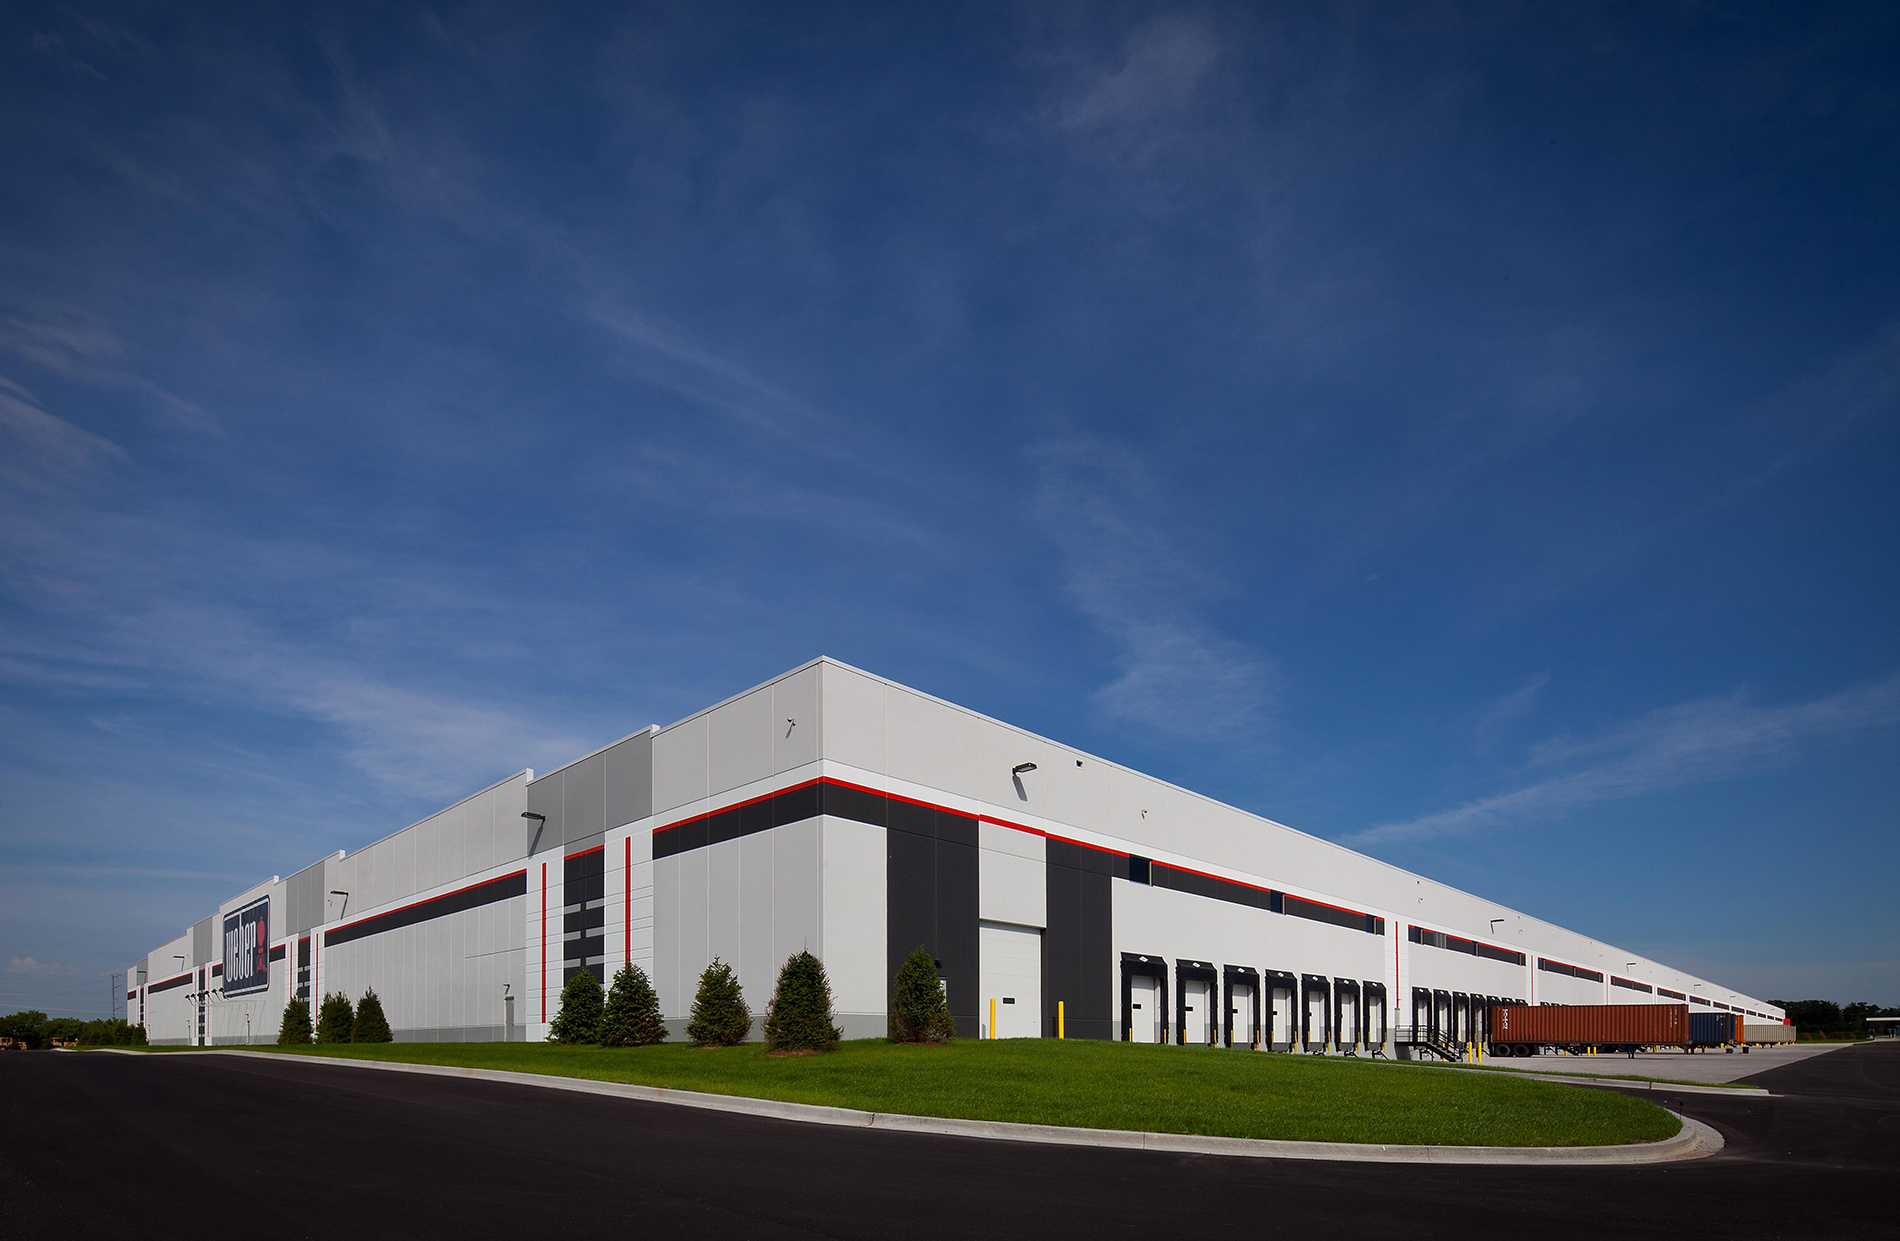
[[1711, 1029]]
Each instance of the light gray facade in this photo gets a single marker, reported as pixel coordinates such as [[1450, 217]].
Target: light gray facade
[[834, 811]]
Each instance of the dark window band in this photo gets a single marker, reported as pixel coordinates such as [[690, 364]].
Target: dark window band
[[436, 907], [1574, 971], [1454, 943], [1674, 995], [1629, 983], [182, 980]]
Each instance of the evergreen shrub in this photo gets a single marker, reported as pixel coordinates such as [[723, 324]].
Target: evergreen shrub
[[799, 1017], [335, 1019], [370, 1025], [633, 1017], [578, 1020], [920, 1013], [720, 1017], [296, 1026]]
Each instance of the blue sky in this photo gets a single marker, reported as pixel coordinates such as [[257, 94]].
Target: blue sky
[[1467, 432]]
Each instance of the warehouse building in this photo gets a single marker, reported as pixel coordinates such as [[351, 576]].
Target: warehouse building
[[836, 811]]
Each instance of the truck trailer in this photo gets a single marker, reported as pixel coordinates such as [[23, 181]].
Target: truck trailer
[[1527, 1030]]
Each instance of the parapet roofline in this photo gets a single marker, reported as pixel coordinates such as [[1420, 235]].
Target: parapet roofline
[[527, 772], [534, 779], [1096, 758]]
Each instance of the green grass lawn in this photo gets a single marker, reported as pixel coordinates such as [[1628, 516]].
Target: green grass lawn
[[1102, 1086]]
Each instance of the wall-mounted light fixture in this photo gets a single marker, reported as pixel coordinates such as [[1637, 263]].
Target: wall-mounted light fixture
[[540, 823], [346, 900], [1020, 768]]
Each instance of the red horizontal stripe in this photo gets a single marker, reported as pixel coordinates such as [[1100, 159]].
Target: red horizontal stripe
[[584, 852], [981, 818], [753, 801]]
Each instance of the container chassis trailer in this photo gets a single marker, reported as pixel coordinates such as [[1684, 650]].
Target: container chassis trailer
[[1609, 1029]]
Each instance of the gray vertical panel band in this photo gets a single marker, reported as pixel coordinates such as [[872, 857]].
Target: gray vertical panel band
[[958, 935], [629, 780], [910, 898], [584, 800], [1078, 942], [544, 798]]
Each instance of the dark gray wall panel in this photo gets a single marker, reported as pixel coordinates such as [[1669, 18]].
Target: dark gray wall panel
[[1078, 942], [931, 899], [629, 780], [544, 797], [202, 937], [584, 799], [303, 898]]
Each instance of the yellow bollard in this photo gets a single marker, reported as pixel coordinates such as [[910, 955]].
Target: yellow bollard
[[992, 1016], [1059, 1030]]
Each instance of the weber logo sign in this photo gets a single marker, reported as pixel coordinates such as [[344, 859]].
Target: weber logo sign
[[247, 948]]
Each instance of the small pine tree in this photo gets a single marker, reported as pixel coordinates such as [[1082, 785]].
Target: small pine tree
[[335, 1018], [296, 1027], [720, 1016], [632, 1018], [920, 1013], [370, 1025], [578, 1020], [799, 1017]]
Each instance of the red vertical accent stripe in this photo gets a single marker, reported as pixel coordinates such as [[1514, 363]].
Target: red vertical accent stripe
[[544, 942], [626, 881]]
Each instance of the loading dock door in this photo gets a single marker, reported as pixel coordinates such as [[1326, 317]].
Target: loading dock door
[[1347, 1017], [1240, 1006], [1316, 998], [1010, 966], [1442, 1026], [1145, 1023], [1282, 1014], [1376, 1032], [1197, 1006]]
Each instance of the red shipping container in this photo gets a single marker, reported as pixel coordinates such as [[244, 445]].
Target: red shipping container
[[1597, 1024]]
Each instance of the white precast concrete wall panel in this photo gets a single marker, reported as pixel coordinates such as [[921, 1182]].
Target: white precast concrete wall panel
[[848, 920], [1012, 878]]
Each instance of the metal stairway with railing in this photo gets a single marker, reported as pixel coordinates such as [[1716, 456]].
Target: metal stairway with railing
[[1424, 1038]]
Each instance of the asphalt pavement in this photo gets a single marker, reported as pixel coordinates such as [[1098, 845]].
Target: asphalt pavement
[[199, 1145]]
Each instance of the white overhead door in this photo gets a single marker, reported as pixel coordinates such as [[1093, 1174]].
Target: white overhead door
[[1315, 1019], [1197, 1006], [1012, 977], [1283, 1027], [1347, 1032], [1144, 1010], [1240, 1013]]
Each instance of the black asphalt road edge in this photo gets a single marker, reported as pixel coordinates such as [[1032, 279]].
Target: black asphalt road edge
[[1694, 1140]]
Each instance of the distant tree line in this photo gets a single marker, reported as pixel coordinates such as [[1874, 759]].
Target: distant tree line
[[37, 1030], [1834, 1020]]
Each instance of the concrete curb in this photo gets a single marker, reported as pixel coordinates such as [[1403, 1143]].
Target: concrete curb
[[1695, 1140]]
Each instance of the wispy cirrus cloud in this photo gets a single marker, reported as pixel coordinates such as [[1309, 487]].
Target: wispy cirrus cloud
[[1692, 743], [81, 350], [119, 607], [1138, 588], [43, 446]]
